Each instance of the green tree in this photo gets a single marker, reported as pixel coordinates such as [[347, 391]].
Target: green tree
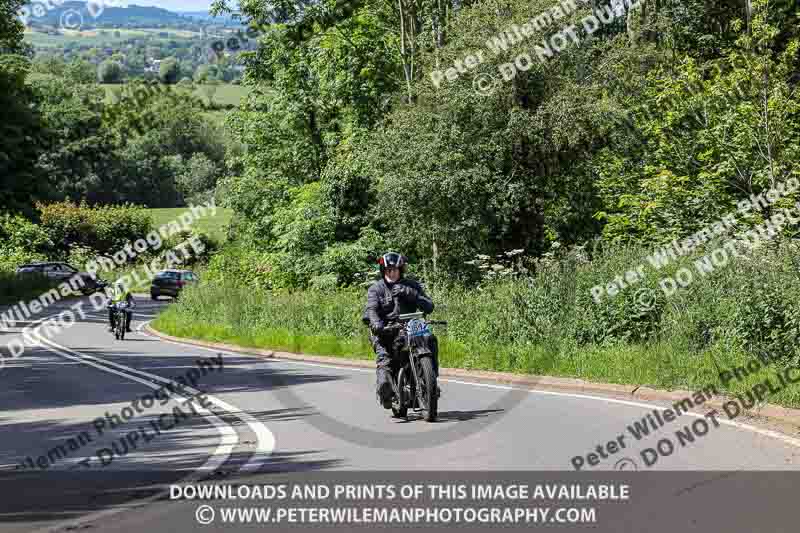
[[110, 72], [662, 117], [157, 131], [168, 71], [80, 71], [199, 175], [722, 131], [51, 65], [80, 161], [22, 136], [11, 27]]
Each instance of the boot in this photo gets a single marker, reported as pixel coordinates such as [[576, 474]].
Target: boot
[[385, 395]]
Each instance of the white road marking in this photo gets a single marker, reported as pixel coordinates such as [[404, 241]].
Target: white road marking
[[228, 440], [264, 437], [266, 440], [229, 437]]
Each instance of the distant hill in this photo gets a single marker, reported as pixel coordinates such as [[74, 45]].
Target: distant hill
[[132, 16], [205, 15]]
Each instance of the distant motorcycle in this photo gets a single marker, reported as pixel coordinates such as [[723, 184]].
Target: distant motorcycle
[[414, 382], [119, 320]]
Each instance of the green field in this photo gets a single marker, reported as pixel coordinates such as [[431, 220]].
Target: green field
[[226, 94], [106, 36], [223, 95], [216, 226]]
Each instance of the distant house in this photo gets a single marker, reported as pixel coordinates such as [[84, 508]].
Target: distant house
[[153, 65]]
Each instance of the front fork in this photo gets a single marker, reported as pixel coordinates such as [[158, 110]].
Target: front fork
[[414, 370]]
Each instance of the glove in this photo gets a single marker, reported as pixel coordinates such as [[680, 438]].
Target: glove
[[376, 326], [405, 292]]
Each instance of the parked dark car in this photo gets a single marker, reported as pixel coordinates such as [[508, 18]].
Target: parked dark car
[[171, 282], [61, 272]]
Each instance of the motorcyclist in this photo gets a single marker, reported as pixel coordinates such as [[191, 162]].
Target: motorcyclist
[[380, 310], [120, 294]]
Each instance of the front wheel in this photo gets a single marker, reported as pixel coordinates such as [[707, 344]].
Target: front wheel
[[400, 404], [120, 327], [430, 399]]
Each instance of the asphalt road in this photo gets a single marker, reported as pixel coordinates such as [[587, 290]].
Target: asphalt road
[[253, 419]]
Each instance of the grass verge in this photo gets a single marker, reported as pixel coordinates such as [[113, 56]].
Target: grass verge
[[329, 324]]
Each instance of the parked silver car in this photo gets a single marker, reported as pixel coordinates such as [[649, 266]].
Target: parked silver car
[[60, 272]]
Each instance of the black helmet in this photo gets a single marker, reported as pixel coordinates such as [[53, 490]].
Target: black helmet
[[392, 259]]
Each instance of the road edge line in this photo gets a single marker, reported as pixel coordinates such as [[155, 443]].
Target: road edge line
[[771, 412]]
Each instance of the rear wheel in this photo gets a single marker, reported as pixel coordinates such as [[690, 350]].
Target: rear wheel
[[429, 398]]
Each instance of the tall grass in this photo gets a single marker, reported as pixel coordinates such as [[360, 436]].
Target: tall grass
[[548, 324]]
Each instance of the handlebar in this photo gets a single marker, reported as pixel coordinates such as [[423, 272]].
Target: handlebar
[[400, 324]]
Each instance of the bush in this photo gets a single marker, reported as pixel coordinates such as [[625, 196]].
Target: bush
[[239, 265], [104, 229], [168, 71], [80, 255], [21, 241], [338, 265], [23, 236], [11, 258], [210, 247], [110, 72]]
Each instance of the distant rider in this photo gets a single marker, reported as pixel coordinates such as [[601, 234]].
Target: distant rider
[[379, 311], [121, 294]]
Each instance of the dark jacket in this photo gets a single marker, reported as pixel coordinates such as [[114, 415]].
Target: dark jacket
[[380, 302]]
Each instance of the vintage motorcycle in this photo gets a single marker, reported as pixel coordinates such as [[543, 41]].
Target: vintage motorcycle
[[119, 311], [413, 377]]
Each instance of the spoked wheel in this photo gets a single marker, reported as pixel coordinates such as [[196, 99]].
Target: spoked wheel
[[400, 403], [428, 399], [119, 327]]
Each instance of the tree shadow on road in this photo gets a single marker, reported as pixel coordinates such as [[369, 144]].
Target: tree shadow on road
[[42, 379], [47, 496]]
